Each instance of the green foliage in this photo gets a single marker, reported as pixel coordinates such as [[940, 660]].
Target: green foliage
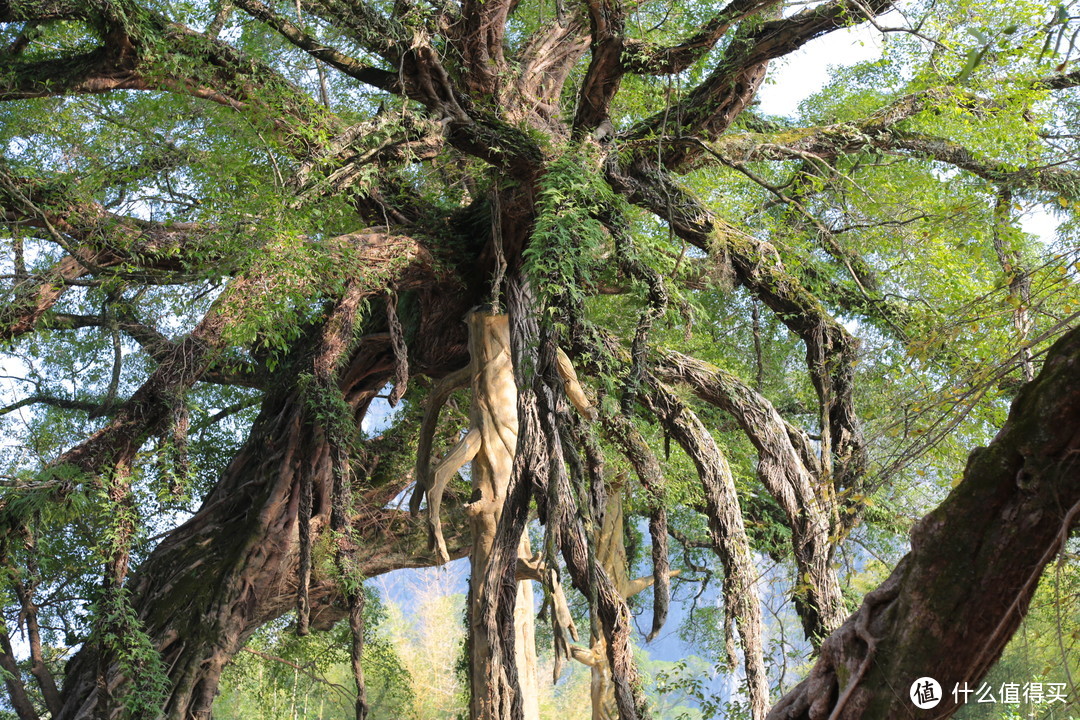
[[121, 635], [680, 691], [568, 236], [328, 408], [283, 676]]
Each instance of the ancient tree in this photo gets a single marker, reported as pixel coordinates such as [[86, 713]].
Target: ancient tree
[[232, 228]]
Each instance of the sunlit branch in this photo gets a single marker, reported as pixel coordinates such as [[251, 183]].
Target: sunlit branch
[[376, 77], [830, 348]]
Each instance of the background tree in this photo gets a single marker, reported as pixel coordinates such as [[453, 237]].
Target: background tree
[[241, 219]]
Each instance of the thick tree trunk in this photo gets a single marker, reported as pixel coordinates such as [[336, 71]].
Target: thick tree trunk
[[503, 685], [233, 566], [493, 422], [951, 605]]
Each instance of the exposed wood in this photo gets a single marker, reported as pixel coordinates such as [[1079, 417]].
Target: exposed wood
[[541, 468], [571, 386]]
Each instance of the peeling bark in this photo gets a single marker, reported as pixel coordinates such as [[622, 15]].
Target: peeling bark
[[503, 669]]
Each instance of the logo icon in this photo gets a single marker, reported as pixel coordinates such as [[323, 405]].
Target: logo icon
[[925, 693]]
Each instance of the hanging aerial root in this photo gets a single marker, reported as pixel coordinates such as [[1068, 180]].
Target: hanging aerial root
[[662, 572], [728, 531], [340, 522], [611, 558], [303, 602], [462, 453], [789, 470], [545, 458], [832, 352], [622, 433], [356, 626], [401, 351], [504, 474], [590, 578], [435, 401], [562, 622], [657, 304]]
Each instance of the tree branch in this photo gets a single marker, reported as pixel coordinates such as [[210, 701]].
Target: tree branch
[[831, 351], [972, 569], [24, 591], [58, 402], [789, 472], [607, 22], [710, 108], [382, 79], [20, 701], [159, 347], [145, 413], [741, 602], [479, 39], [546, 60], [643, 57]]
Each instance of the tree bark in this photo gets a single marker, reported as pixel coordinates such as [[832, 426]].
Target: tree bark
[[951, 605], [233, 566], [24, 591], [741, 603]]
